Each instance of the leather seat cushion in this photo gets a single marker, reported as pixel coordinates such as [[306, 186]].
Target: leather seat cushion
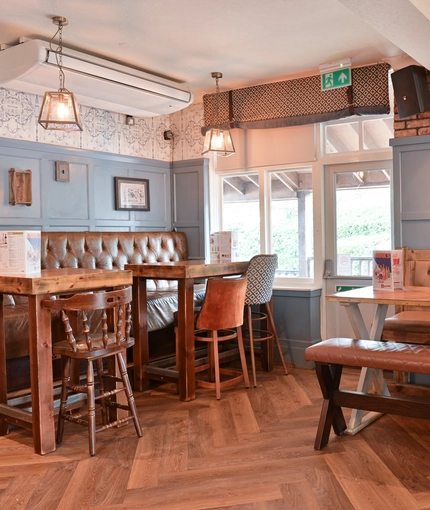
[[162, 306], [412, 326], [371, 354], [412, 320]]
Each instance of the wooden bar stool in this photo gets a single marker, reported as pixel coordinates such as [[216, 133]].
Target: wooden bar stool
[[220, 319], [93, 348], [261, 276]]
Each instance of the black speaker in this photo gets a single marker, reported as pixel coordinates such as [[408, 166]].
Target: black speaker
[[411, 90]]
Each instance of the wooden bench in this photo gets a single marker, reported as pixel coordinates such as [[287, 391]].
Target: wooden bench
[[330, 356]]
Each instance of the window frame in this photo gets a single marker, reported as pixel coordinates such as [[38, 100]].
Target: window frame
[[264, 175], [317, 164]]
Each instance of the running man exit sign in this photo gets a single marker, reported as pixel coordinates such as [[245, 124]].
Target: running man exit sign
[[336, 79]]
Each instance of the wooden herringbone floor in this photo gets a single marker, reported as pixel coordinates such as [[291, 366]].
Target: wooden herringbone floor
[[251, 450]]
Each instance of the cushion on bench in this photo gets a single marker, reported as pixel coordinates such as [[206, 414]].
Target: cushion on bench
[[408, 326], [162, 306], [371, 354]]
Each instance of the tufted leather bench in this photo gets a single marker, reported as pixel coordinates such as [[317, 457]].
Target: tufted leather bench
[[106, 250], [331, 355]]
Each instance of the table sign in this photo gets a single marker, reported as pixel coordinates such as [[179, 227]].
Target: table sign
[[225, 246], [387, 271], [20, 252]]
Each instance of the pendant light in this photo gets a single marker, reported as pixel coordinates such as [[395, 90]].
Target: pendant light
[[218, 140], [59, 109]]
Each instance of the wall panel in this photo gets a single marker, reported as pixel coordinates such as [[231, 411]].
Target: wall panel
[[68, 200], [411, 191], [87, 202]]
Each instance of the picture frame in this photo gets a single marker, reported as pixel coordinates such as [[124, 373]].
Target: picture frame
[[20, 187], [131, 194]]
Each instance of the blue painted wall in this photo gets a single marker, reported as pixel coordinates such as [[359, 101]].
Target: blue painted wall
[[87, 202]]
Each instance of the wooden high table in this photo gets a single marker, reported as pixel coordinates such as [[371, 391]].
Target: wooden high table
[[39, 287], [351, 299], [185, 272]]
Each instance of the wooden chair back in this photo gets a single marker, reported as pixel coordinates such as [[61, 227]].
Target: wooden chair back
[[117, 322]]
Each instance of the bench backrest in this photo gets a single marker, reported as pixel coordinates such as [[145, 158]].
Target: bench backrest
[[416, 272], [112, 250], [109, 250]]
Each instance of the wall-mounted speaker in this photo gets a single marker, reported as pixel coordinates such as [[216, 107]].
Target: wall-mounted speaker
[[411, 90]]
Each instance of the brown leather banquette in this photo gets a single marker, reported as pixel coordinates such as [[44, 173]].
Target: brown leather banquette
[[106, 250]]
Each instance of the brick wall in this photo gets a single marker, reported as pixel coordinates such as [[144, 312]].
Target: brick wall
[[415, 125]]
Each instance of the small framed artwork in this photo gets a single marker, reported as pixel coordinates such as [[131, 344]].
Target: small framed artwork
[[131, 194], [20, 187]]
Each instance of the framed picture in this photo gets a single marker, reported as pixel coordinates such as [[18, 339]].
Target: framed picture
[[131, 194], [20, 187]]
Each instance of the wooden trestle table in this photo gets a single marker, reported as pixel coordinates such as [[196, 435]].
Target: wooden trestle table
[[38, 288], [185, 272], [351, 299]]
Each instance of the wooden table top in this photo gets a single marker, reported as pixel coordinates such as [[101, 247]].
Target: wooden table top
[[187, 269], [55, 281], [416, 296]]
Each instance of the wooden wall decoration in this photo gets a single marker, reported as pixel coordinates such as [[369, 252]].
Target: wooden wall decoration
[[20, 187]]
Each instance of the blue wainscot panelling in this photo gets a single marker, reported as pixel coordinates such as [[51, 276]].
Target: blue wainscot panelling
[[86, 201], [297, 316]]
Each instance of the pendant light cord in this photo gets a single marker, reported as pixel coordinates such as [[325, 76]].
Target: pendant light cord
[[59, 55]]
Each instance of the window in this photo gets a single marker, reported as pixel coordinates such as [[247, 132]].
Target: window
[[241, 212], [363, 219], [276, 217], [360, 194], [358, 134]]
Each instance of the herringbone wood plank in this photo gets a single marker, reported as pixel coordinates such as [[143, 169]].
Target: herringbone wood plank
[[253, 450]]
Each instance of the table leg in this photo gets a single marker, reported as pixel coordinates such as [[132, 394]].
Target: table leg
[[140, 334], [186, 351], [356, 319], [3, 374], [42, 391], [358, 419]]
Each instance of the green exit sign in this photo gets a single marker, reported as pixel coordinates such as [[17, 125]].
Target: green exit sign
[[343, 288], [336, 79]]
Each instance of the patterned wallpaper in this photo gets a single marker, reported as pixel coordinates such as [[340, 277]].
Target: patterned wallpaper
[[106, 131]]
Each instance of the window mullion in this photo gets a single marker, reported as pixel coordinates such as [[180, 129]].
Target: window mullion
[[264, 202]]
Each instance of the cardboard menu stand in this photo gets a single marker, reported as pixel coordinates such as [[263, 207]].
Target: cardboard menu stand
[[20, 252], [225, 246], [387, 270]]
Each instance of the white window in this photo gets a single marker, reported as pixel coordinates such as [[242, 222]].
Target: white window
[[361, 198], [273, 212], [358, 133]]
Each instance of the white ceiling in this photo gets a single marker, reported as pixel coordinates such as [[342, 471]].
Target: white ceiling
[[249, 41]]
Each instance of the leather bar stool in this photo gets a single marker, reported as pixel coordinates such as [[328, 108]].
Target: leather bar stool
[[220, 320], [261, 276], [93, 348]]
